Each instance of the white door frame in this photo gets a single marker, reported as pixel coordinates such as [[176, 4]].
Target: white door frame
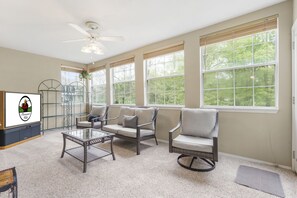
[[294, 93]]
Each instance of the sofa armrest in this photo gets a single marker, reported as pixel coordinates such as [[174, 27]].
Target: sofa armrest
[[108, 119], [141, 125]]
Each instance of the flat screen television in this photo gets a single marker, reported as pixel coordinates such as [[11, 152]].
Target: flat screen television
[[21, 109]]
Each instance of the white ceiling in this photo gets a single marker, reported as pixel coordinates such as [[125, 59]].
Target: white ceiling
[[40, 26]]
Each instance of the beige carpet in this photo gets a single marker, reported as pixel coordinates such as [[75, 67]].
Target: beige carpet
[[154, 173]]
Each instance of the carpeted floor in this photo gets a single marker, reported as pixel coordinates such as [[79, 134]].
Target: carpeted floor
[[154, 173]]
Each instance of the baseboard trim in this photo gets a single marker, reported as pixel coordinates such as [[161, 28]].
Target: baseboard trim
[[244, 158], [255, 160], [163, 141]]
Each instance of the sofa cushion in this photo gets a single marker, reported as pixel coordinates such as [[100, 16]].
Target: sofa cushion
[[129, 132], [145, 115], [198, 122], [125, 111], [130, 121], [87, 124], [113, 128], [98, 111], [193, 143]]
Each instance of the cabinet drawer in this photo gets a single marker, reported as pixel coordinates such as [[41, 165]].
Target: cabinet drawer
[[25, 133]]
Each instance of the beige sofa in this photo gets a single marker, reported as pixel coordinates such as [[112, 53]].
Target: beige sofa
[[134, 124]]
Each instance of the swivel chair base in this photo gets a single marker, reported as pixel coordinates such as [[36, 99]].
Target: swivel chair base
[[209, 162]]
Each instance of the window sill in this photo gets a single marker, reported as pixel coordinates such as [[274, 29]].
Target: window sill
[[242, 109]]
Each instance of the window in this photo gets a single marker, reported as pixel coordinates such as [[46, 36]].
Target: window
[[123, 82], [74, 90], [165, 79], [68, 77], [241, 71], [98, 86]]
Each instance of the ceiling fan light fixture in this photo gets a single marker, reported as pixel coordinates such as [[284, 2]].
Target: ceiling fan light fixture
[[86, 49], [98, 52], [92, 48]]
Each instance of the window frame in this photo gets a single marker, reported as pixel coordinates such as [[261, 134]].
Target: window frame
[[146, 79], [252, 109], [112, 83], [84, 97], [91, 86]]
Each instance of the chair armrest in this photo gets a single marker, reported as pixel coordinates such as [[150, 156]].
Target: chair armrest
[[216, 130], [175, 128], [170, 136], [77, 119]]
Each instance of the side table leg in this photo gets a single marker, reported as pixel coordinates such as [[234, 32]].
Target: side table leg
[[85, 157], [111, 148], [64, 146]]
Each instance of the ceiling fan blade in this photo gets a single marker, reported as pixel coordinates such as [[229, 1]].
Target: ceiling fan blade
[[111, 38], [78, 28], [75, 40]]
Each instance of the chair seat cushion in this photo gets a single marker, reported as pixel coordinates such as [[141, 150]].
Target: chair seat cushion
[[193, 143], [112, 128], [129, 132], [87, 124]]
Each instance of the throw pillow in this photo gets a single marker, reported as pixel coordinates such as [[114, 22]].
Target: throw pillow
[[90, 117], [130, 121]]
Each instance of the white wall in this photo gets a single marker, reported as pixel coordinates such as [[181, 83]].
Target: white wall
[[22, 72], [262, 136]]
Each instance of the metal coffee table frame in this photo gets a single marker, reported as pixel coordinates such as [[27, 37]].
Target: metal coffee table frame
[[86, 152]]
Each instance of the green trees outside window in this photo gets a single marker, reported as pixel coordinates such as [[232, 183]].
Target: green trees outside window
[[123, 84], [98, 86], [165, 79], [240, 72]]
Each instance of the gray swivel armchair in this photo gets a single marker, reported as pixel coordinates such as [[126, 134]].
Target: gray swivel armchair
[[198, 138], [92, 120]]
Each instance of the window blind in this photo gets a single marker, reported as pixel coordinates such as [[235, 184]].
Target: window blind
[[122, 62], [167, 50], [96, 68], [260, 25], [71, 69]]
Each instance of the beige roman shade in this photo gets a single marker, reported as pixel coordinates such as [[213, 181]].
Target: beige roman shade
[[167, 50], [71, 69], [96, 68], [260, 25], [122, 62]]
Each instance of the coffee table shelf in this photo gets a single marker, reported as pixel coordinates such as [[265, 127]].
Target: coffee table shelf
[[93, 153], [86, 138]]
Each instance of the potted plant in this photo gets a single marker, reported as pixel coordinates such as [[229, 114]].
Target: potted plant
[[85, 75]]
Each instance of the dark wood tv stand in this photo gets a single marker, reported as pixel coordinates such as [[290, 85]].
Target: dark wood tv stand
[[12, 136]]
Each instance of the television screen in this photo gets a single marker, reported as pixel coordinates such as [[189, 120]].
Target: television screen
[[21, 108]]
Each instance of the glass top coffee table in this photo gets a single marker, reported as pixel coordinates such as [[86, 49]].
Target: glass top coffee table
[[86, 138]]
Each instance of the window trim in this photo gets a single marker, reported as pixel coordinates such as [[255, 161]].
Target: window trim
[[248, 109]]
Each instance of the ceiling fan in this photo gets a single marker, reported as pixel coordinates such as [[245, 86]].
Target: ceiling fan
[[93, 36]]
